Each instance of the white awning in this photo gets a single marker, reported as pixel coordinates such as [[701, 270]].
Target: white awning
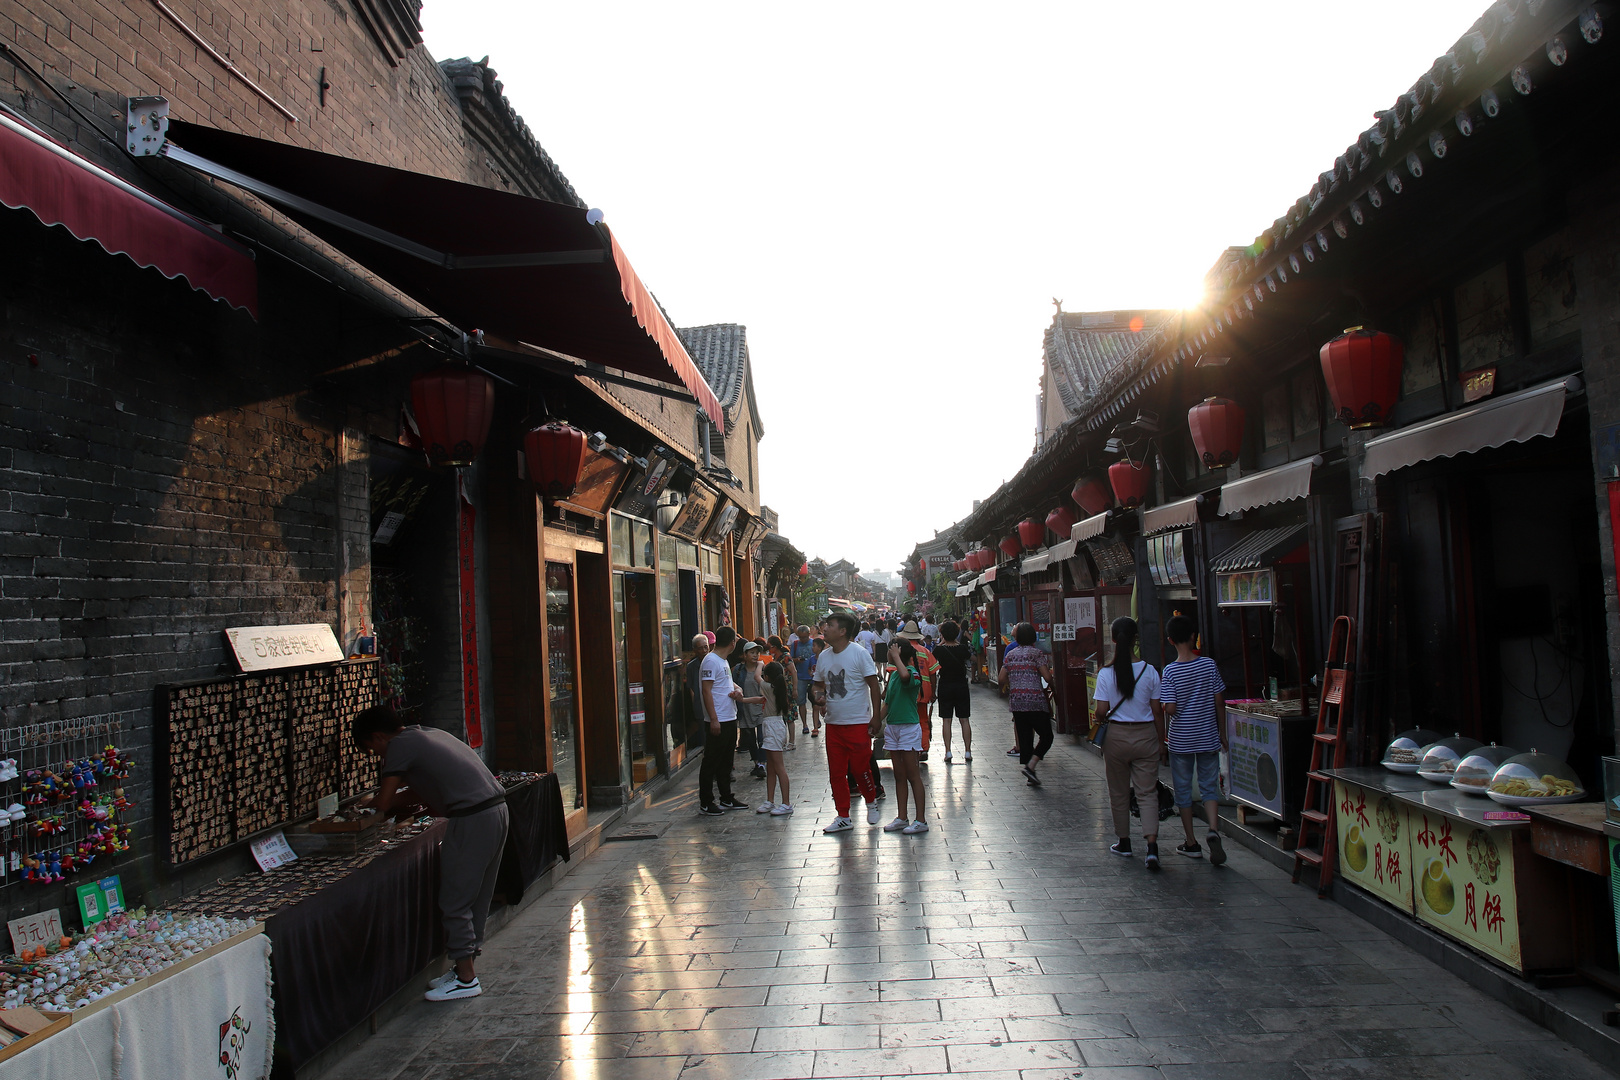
[[1516, 417], [1091, 527], [965, 590], [1181, 514], [1060, 551], [1034, 563], [976, 582], [1285, 482]]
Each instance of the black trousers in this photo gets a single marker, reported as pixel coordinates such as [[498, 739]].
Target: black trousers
[[1031, 726], [748, 739], [715, 770]]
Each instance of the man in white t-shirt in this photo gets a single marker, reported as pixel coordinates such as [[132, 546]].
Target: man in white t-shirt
[[717, 697], [846, 681]]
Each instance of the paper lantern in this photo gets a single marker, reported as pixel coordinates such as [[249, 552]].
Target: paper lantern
[[911, 586], [1060, 521], [804, 571], [1091, 495], [1129, 481], [453, 407], [1217, 425], [1362, 369], [1031, 533], [555, 453], [1010, 546]]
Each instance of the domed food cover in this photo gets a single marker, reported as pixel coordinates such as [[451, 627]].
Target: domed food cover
[[1473, 773], [1438, 760], [1405, 751], [1532, 778]]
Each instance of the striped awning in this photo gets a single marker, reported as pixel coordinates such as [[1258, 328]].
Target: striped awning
[[1090, 528], [1060, 551], [1181, 514], [1282, 484], [1034, 563], [1259, 549]]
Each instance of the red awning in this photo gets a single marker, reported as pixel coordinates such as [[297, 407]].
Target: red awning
[[537, 271], [61, 188]]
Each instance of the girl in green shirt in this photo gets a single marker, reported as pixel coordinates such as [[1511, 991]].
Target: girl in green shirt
[[902, 735]]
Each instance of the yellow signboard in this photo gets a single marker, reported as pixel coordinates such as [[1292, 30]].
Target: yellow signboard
[[1374, 842], [1464, 880]]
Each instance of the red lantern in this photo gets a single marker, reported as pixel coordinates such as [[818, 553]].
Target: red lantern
[[1010, 546], [804, 571], [453, 407], [922, 566], [556, 453], [1362, 369], [1031, 532], [1217, 431], [1129, 480], [958, 565], [1091, 495], [1061, 521], [911, 586]]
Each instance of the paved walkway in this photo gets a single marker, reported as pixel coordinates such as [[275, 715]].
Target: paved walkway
[[1006, 943]]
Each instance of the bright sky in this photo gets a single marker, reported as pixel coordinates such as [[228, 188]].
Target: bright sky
[[889, 195]]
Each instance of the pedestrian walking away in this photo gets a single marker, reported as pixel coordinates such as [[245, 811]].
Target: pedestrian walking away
[[776, 652], [446, 775], [776, 722], [1192, 698], [1025, 674], [1125, 695], [748, 676], [952, 692], [717, 695], [902, 735], [846, 682], [802, 651]]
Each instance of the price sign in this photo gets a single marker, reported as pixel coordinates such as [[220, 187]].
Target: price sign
[[273, 851], [32, 931], [1062, 631]]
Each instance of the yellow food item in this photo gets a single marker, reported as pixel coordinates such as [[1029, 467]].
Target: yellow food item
[[1438, 891], [1355, 849]]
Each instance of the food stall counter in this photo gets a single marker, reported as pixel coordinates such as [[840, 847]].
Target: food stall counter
[[1374, 834]]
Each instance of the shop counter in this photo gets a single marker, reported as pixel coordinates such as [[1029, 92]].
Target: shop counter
[[536, 837], [1374, 834]]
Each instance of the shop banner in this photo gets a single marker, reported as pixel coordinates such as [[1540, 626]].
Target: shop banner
[[1374, 842], [1254, 763], [1464, 882], [469, 626]]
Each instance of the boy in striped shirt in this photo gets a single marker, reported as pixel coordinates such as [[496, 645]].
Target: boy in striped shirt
[[1193, 697]]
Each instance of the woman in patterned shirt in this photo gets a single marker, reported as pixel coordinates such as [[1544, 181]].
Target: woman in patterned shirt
[[1025, 673]]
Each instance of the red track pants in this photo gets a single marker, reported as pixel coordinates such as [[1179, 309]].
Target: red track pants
[[849, 750]]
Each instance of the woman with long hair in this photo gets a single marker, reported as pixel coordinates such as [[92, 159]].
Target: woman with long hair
[[1126, 691], [1026, 672], [777, 652], [902, 735], [775, 723]]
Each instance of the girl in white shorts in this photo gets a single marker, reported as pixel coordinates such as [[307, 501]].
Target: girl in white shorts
[[773, 735]]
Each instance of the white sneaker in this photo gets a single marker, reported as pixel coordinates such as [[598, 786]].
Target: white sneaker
[[454, 990], [967, 755], [873, 814], [839, 824], [781, 809], [947, 757], [915, 827], [896, 825], [443, 980], [765, 807]]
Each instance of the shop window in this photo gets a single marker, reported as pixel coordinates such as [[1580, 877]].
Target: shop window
[[1485, 320], [1307, 404], [1423, 337], [641, 544], [1549, 278], [619, 538], [631, 542], [1275, 407], [686, 554]]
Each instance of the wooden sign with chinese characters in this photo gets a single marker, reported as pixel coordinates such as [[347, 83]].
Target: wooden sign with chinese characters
[[1463, 877], [1478, 384], [694, 516], [265, 648], [32, 931], [1375, 850]]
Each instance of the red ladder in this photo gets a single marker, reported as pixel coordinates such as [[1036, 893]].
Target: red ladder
[[1317, 812]]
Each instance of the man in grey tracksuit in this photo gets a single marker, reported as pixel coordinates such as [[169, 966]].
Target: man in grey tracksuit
[[438, 770]]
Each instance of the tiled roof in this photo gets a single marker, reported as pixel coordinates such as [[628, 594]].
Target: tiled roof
[[721, 354], [1083, 348]]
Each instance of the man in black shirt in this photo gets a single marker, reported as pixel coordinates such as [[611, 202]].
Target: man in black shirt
[[951, 691]]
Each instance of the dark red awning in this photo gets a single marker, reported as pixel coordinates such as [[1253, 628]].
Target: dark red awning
[[524, 268], [61, 188]]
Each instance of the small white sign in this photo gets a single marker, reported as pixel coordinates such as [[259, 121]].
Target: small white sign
[[265, 648], [326, 805], [387, 527], [1062, 631], [273, 851], [1080, 610], [32, 931]]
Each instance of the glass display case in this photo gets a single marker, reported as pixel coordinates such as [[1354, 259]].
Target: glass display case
[[1405, 751], [1437, 762], [1473, 773], [1535, 778]]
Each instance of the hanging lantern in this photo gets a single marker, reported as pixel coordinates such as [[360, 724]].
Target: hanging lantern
[[1362, 369], [1217, 431], [453, 407], [1091, 495], [1031, 533], [1061, 521], [1010, 546], [804, 571], [958, 566], [911, 586], [975, 559], [1129, 481], [555, 452]]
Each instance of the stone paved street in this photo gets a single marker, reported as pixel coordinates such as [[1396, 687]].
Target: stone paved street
[[1006, 943]]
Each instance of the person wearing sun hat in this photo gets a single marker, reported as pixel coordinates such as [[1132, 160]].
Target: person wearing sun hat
[[928, 668]]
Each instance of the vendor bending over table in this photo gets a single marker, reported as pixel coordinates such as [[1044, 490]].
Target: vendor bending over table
[[444, 773]]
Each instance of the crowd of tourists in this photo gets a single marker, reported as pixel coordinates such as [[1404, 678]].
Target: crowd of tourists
[[873, 686]]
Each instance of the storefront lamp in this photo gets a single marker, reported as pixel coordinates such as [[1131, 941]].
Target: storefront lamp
[[1010, 546], [1061, 521], [1031, 533], [453, 407], [1091, 495], [555, 453], [1362, 369], [1217, 426], [1129, 481]]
